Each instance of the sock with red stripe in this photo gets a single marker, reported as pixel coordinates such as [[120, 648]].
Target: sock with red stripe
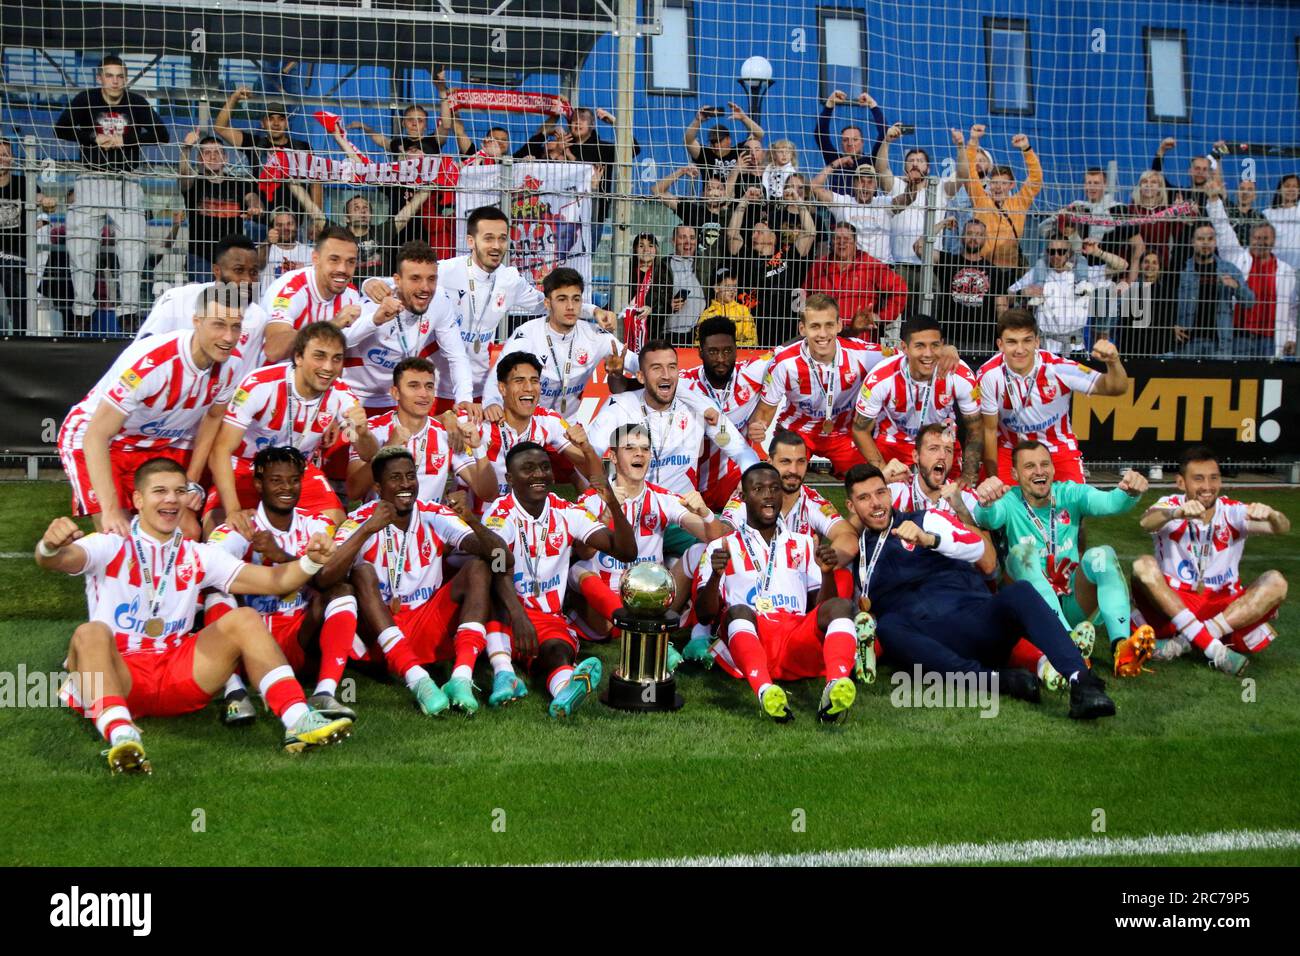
[[558, 679], [283, 695], [839, 648], [469, 642], [1026, 657], [844, 583], [217, 606], [111, 718], [599, 596], [401, 659], [1193, 631], [748, 653], [336, 636]]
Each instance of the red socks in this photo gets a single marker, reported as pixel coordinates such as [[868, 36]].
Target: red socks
[[748, 654], [336, 635], [839, 648]]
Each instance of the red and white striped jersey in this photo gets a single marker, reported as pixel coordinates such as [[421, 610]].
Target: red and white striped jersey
[[810, 514], [430, 447], [410, 569], [1036, 405], [737, 398], [901, 405], [293, 542], [545, 427], [269, 411], [910, 496], [541, 546], [806, 387], [116, 594], [783, 573], [1190, 552], [294, 300], [163, 394], [649, 513]]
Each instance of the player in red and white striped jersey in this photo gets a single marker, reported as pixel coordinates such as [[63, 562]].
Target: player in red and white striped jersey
[[393, 550], [1025, 392], [322, 622], [814, 383], [1191, 591], [540, 529], [164, 396], [915, 389], [300, 403], [482, 467], [735, 389], [408, 425], [321, 292], [773, 594], [137, 656]]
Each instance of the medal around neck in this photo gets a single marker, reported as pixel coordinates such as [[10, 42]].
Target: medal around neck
[[647, 623]]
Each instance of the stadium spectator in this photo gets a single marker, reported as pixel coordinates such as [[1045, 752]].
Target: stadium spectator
[[851, 142], [868, 209], [969, 291], [1156, 293], [649, 283], [708, 215], [1268, 326], [282, 252], [415, 130], [959, 197], [1063, 307], [869, 293], [13, 241], [1002, 211], [726, 304], [495, 144], [1198, 177], [719, 157], [770, 269], [1097, 201], [261, 148], [1284, 214], [782, 163], [907, 224], [688, 301], [109, 124], [1244, 216], [1161, 233], [1208, 289], [214, 201], [376, 245]]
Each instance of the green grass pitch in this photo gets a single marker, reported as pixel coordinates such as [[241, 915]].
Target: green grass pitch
[[1185, 754]]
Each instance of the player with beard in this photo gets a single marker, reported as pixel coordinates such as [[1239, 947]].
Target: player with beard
[[735, 389], [771, 590], [138, 655], [320, 292], [1042, 521], [914, 574], [540, 529], [308, 621], [393, 551], [1191, 591], [649, 508]]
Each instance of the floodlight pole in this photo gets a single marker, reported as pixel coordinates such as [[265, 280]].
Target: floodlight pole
[[623, 122]]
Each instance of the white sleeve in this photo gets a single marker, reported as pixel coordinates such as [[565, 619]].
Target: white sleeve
[[229, 541], [869, 405], [363, 327], [452, 345], [989, 396], [448, 526], [529, 300], [967, 403], [1229, 246], [161, 317], [1022, 282], [607, 419], [956, 541], [99, 549], [219, 568]]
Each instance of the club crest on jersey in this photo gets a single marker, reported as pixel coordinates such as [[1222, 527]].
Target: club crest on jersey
[[1063, 516], [1049, 392], [426, 549], [650, 521], [1222, 538], [184, 575], [742, 395], [581, 356], [501, 300], [555, 540], [907, 545], [425, 325], [323, 420], [436, 462]]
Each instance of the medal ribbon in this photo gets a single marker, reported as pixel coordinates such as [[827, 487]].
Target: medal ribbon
[[1049, 533], [526, 542], [765, 580], [865, 566], [656, 446], [154, 593], [829, 387], [1200, 547], [476, 314], [395, 570]]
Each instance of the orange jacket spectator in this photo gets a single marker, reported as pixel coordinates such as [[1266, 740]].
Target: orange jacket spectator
[[1001, 211]]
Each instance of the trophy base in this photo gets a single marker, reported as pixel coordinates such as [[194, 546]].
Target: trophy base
[[656, 696]]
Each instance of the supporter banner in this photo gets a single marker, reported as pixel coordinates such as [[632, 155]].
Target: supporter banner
[[512, 101], [298, 165], [43, 379], [1240, 408]]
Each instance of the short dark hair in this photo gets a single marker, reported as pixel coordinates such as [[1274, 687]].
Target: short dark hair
[[333, 232], [859, 473], [933, 428], [412, 363], [385, 455], [112, 59], [1015, 320], [562, 278], [278, 455], [1003, 171], [756, 468], [623, 432], [415, 108], [417, 250], [235, 241], [918, 322], [228, 295], [520, 449], [716, 325], [513, 361], [784, 436], [655, 345], [821, 302], [1194, 454], [917, 149], [354, 197], [155, 466], [484, 214], [1025, 444], [1094, 171], [317, 330]]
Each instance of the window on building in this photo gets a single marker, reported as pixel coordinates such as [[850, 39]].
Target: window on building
[[1008, 63]]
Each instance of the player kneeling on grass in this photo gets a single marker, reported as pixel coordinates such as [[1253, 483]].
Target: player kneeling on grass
[[758, 583], [1043, 520], [137, 656], [932, 608], [540, 528], [303, 622], [393, 551], [649, 508], [1191, 591]]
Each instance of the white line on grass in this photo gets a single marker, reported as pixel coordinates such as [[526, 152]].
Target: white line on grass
[[955, 854]]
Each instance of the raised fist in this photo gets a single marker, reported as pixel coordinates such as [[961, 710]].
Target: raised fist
[[1133, 482], [62, 531], [990, 490]]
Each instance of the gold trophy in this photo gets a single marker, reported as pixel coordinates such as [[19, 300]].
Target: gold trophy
[[647, 623]]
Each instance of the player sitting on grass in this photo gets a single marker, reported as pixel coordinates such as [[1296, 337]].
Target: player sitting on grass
[[137, 655], [649, 508], [759, 584], [307, 621], [393, 550], [539, 528], [1042, 519], [1191, 591], [933, 610]]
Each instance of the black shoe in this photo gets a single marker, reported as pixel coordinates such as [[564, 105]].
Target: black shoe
[[1088, 699], [237, 710], [1019, 683]]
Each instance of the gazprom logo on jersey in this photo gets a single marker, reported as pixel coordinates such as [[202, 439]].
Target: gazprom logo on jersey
[[778, 600], [550, 584], [128, 617], [380, 357], [663, 460], [156, 430], [418, 596], [1018, 424], [611, 563], [1187, 572]]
